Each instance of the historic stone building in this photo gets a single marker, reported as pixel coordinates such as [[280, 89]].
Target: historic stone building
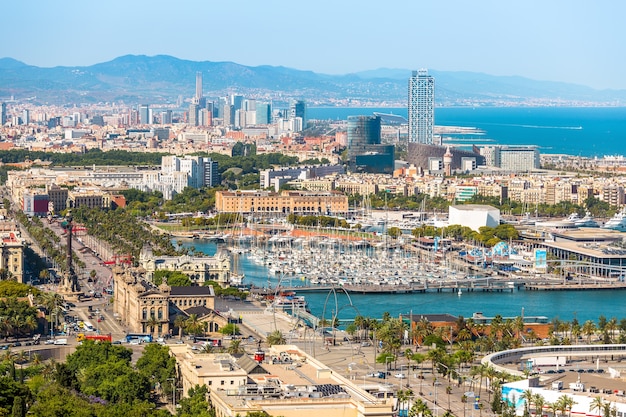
[[199, 269], [287, 202], [146, 308]]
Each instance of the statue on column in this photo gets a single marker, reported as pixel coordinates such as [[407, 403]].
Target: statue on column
[[70, 280]]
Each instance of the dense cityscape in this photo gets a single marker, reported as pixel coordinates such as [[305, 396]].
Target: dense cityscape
[[110, 308]]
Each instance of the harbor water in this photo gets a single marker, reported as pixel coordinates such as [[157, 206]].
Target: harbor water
[[564, 305]]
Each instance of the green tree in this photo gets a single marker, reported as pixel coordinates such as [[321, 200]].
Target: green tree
[[230, 329], [195, 404], [275, 338], [156, 364]]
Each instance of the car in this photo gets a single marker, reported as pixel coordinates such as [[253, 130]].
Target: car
[[49, 342], [366, 344], [16, 344], [400, 375], [376, 375], [101, 317]]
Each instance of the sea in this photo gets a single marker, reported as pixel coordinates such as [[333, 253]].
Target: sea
[[562, 305], [579, 131]]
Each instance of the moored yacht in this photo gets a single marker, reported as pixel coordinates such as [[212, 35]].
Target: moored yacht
[[617, 222]]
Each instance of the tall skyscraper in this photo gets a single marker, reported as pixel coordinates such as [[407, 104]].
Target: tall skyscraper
[[198, 85], [3, 113], [199, 99], [421, 107]]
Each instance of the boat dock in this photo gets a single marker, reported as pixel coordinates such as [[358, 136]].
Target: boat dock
[[483, 284]]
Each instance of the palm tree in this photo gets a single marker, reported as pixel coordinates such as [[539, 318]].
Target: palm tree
[[419, 409], [49, 370], [36, 359], [528, 398], [403, 396], [235, 348], [152, 323], [275, 338], [449, 392], [180, 322], [589, 329], [597, 404], [193, 325], [609, 410], [539, 401]]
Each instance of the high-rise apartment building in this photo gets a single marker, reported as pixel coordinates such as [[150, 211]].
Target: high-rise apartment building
[[3, 113], [421, 107]]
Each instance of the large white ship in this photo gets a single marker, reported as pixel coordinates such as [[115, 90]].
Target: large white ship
[[617, 222]]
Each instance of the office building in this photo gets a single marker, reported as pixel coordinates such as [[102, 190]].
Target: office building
[[3, 113], [519, 158], [198, 99], [263, 113], [26, 117], [166, 117], [421, 107], [193, 115], [144, 114], [298, 109], [365, 153], [198, 85]]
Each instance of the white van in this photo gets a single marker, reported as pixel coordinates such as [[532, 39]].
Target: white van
[[60, 342]]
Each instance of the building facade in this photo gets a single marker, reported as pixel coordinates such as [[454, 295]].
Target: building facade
[[199, 269], [365, 152], [285, 203], [145, 308], [421, 107]]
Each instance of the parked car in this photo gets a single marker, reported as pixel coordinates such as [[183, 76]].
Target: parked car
[[400, 375]]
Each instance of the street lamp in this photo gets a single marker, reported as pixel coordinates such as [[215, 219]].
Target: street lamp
[[436, 384], [387, 360]]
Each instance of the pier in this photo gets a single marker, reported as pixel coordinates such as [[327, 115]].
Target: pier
[[484, 284]]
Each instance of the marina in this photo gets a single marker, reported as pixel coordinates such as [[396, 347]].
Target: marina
[[443, 295]]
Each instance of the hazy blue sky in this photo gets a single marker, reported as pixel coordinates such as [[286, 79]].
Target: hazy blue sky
[[556, 40]]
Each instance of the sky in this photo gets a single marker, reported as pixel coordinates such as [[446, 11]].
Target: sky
[[574, 41]]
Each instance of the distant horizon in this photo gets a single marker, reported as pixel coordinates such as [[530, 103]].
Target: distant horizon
[[408, 71]]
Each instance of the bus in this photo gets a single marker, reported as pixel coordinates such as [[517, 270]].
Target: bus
[[142, 337], [212, 341], [96, 338]]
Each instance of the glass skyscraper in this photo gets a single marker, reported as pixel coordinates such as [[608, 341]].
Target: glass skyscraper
[[421, 107], [365, 152]]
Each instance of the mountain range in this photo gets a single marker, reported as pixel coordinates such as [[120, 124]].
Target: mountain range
[[137, 79]]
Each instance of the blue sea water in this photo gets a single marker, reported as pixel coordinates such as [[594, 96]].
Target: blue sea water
[[580, 131], [565, 305]]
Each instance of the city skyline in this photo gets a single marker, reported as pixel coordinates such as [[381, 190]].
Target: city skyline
[[550, 41]]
